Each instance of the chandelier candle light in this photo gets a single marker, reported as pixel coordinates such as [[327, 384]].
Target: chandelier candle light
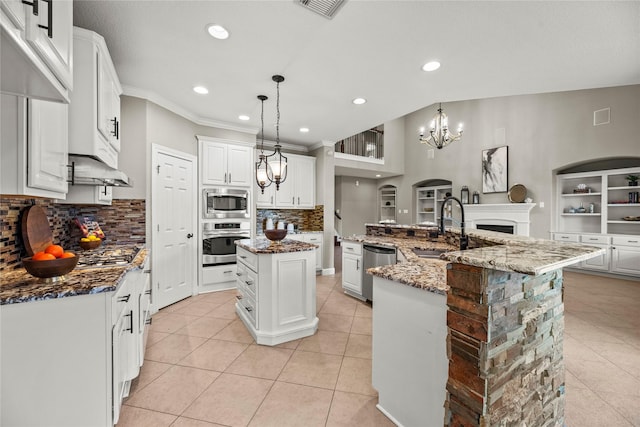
[[277, 170], [439, 135]]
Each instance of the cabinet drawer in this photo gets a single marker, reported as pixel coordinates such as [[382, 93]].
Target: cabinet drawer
[[249, 305], [351, 248], [627, 241], [225, 273], [248, 258], [600, 240], [566, 237], [250, 283]]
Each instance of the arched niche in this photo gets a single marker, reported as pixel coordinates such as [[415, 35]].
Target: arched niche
[[387, 197]]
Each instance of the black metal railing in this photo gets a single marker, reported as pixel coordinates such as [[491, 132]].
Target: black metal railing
[[369, 143]]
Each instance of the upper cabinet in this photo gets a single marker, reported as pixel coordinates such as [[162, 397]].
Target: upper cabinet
[[299, 189], [34, 147], [94, 115], [225, 163], [37, 42]]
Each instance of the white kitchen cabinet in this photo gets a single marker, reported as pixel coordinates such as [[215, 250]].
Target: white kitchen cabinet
[[313, 238], [34, 147], [625, 255], [352, 268], [217, 278], [88, 194], [81, 349], [299, 189], [94, 117], [37, 44], [225, 163], [277, 295]]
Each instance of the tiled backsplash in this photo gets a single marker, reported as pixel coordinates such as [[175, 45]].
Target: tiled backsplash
[[122, 222], [303, 219]]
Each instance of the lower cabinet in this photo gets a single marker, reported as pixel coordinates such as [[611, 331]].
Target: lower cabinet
[[276, 295], [314, 238], [621, 256], [217, 278], [72, 358], [352, 268]]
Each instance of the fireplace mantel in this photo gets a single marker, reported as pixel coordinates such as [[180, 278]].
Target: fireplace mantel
[[514, 214]]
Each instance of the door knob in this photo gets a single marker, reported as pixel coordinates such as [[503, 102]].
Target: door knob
[[190, 235]]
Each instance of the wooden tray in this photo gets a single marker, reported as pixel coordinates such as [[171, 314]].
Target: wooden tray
[[36, 232]]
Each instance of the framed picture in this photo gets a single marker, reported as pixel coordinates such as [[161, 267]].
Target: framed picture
[[495, 165]]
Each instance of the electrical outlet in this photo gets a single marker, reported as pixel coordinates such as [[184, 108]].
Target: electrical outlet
[[542, 204], [406, 211]]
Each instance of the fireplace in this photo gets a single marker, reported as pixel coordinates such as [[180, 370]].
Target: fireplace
[[510, 218]]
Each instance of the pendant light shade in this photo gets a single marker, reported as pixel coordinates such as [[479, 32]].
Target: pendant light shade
[[277, 163]]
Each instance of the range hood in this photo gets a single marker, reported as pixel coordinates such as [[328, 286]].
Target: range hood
[[88, 171]]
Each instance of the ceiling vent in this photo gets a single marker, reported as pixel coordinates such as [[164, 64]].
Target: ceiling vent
[[326, 8]]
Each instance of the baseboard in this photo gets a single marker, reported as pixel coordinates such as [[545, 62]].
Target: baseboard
[[328, 271]]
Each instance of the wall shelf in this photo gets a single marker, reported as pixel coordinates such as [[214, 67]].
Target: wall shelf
[[387, 212]]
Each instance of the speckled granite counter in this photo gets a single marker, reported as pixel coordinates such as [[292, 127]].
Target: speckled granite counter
[[266, 246], [503, 252], [19, 286]]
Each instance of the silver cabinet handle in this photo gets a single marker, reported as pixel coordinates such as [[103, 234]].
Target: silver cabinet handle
[[225, 177], [249, 309], [238, 274], [249, 282], [229, 177], [227, 271], [632, 241], [271, 199], [298, 200], [293, 200], [357, 264]]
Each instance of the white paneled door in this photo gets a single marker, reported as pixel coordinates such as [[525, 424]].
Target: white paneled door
[[173, 210]]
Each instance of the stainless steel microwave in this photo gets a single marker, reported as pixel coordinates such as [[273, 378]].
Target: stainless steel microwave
[[225, 203]]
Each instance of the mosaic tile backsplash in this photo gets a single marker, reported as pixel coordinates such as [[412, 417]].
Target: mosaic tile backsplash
[[122, 222], [302, 219]]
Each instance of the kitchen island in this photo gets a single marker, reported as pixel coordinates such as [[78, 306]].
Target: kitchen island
[[70, 348], [482, 329], [276, 288]]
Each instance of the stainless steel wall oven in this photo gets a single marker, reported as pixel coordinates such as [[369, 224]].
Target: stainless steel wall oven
[[218, 241]]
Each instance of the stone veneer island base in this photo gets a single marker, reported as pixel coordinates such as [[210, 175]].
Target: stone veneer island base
[[276, 288], [502, 309]]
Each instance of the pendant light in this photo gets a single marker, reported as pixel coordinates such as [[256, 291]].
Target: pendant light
[[277, 163], [261, 165]]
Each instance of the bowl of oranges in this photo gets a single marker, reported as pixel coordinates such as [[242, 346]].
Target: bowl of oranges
[[90, 242], [53, 261]]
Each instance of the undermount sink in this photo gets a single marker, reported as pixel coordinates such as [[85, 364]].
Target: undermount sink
[[429, 253]]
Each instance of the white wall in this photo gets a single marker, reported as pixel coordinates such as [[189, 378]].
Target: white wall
[[544, 132]]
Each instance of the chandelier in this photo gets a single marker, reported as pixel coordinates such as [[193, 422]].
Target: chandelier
[[439, 135], [277, 163], [262, 176]]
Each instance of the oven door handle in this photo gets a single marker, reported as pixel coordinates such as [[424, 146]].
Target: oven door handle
[[209, 234]]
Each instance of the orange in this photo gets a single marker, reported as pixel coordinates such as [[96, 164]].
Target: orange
[[68, 255], [43, 256], [55, 250]]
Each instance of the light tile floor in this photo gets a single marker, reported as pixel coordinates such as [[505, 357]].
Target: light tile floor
[[203, 368]]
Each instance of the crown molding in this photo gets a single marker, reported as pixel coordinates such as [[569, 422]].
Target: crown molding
[[176, 109], [322, 144]]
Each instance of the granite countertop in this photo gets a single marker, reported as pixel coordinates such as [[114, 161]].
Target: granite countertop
[[18, 286], [505, 252], [266, 246]]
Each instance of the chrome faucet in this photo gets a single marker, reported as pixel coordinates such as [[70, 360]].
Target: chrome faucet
[[464, 240]]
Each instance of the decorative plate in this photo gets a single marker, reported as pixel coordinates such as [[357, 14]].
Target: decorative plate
[[631, 218], [517, 193]]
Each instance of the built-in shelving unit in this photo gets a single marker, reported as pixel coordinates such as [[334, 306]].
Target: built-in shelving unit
[[612, 198], [387, 203], [428, 203]]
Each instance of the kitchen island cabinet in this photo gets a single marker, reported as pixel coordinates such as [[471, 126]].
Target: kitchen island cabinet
[[276, 288], [70, 349]]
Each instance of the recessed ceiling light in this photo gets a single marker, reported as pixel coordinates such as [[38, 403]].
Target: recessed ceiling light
[[243, 117], [431, 66], [378, 175], [201, 90], [217, 31], [304, 130], [359, 101]]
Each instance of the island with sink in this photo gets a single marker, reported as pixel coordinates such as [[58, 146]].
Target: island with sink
[[482, 328], [276, 289]]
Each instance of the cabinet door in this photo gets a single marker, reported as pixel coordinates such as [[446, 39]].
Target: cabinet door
[[114, 103], [304, 173], [316, 239], [54, 43], [625, 260], [285, 196], [352, 273], [266, 199], [599, 263], [214, 169], [15, 11], [120, 362], [239, 165], [104, 91], [47, 146]]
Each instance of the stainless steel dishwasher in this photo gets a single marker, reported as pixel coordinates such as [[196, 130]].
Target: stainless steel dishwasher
[[374, 256]]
